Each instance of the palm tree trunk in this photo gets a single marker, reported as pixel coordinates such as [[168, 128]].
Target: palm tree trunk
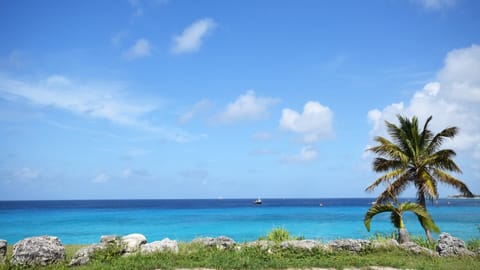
[[403, 236], [422, 202]]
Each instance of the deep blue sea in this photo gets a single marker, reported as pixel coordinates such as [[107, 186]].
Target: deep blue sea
[[82, 222]]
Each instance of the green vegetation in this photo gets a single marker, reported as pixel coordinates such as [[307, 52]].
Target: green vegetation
[[397, 217], [194, 255], [414, 157], [113, 251], [279, 235]]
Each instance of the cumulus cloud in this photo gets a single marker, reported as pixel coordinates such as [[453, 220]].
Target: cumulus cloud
[[193, 36], [198, 108], [100, 178], [307, 154], [435, 4], [314, 123], [247, 107], [141, 48], [453, 100]]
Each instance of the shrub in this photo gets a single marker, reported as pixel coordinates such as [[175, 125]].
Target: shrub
[[111, 252], [423, 242], [279, 235]]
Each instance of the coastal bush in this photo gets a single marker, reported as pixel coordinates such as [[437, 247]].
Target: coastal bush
[[111, 252], [473, 244], [424, 242], [279, 235]]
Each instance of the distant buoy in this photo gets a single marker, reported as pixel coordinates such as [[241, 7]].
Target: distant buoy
[[321, 204]]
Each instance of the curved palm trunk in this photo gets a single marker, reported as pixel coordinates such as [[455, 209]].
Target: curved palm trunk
[[422, 202]]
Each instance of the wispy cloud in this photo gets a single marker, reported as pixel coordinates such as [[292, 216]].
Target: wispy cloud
[[307, 154], [134, 173], [16, 59], [192, 37], [141, 48], [198, 108], [435, 4], [314, 123], [103, 100], [137, 7], [100, 178], [262, 136], [100, 100], [247, 107]]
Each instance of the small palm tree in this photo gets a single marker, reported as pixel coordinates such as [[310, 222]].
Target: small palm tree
[[396, 217], [414, 157]]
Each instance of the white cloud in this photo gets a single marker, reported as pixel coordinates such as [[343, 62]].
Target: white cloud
[[453, 100], [435, 4], [192, 37], [99, 100], [247, 107], [307, 154], [314, 123], [141, 48], [100, 178], [198, 108]]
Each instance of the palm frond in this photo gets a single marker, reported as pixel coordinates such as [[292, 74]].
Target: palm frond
[[375, 210], [384, 178], [425, 219], [394, 189], [453, 182], [383, 164], [438, 139]]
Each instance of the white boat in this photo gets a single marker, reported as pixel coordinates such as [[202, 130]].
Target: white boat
[[258, 201]]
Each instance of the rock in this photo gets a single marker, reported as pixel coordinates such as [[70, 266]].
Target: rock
[[349, 245], [221, 242], [160, 246], [40, 250], [3, 251], [300, 244], [448, 245], [84, 255], [133, 242], [414, 248], [110, 239], [387, 244]]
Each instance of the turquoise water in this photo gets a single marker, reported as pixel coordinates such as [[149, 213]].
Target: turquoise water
[[85, 221]]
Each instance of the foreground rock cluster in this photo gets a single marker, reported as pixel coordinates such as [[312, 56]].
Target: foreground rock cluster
[[45, 250]]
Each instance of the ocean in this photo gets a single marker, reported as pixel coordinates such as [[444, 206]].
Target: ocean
[[84, 221]]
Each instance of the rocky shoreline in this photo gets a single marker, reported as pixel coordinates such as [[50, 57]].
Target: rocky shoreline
[[45, 250]]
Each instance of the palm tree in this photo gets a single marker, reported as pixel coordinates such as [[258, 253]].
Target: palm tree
[[414, 157], [397, 217]]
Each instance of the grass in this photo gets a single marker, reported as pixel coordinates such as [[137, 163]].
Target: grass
[[194, 255]]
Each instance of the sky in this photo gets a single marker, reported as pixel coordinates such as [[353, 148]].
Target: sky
[[161, 99]]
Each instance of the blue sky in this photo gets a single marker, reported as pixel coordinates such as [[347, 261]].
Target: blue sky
[[233, 99]]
